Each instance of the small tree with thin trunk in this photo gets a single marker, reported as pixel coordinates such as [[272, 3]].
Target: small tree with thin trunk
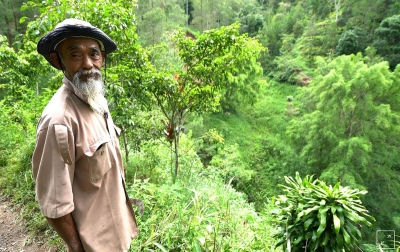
[[208, 65]]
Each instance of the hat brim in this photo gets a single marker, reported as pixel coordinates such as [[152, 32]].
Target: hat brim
[[48, 43]]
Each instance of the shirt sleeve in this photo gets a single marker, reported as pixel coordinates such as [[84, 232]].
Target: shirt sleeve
[[53, 170]]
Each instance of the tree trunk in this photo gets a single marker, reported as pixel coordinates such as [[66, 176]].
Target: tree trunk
[[9, 35], [337, 8], [176, 144]]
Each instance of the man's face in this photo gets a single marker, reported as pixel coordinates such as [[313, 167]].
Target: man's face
[[81, 61], [80, 54]]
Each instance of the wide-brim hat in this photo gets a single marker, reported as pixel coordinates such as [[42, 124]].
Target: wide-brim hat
[[73, 28]]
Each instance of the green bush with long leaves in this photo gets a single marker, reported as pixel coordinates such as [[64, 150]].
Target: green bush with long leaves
[[313, 216]]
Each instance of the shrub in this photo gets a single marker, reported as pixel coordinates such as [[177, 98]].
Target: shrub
[[204, 215], [313, 216]]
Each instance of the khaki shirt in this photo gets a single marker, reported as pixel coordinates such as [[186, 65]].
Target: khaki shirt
[[77, 167]]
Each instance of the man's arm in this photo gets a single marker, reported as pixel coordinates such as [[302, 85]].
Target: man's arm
[[65, 227]]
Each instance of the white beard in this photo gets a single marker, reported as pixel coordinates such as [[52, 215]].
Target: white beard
[[92, 88]]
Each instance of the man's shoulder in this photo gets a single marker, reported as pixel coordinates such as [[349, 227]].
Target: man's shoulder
[[59, 109]]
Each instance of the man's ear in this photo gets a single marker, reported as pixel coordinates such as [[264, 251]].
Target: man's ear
[[56, 59]]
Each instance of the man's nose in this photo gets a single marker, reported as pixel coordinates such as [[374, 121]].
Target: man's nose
[[87, 62]]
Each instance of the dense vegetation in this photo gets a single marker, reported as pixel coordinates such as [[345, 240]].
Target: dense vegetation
[[219, 102]]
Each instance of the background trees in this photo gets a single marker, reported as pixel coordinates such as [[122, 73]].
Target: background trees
[[349, 124], [388, 38]]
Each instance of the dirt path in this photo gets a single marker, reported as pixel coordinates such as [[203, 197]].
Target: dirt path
[[13, 236]]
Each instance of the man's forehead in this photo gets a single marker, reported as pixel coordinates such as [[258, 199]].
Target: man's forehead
[[78, 42]]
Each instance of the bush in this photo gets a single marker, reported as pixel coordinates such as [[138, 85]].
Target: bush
[[315, 217], [205, 215], [197, 213]]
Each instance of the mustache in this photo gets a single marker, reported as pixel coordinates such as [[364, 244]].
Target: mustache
[[93, 73]]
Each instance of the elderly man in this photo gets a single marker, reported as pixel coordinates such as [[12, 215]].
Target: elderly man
[[77, 161]]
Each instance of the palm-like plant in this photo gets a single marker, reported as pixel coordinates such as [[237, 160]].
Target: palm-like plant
[[313, 216]]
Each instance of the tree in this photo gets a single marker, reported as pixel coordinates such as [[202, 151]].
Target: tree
[[348, 128], [207, 66], [348, 44], [10, 16], [156, 17], [213, 14], [350, 113], [251, 19], [388, 40]]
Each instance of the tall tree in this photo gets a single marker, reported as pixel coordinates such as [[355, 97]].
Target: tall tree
[[388, 40], [348, 43], [155, 17], [251, 19], [349, 115], [348, 130], [213, 14], [10, 16]]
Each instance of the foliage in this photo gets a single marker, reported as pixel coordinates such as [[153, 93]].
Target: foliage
[[349, 108], [291, 67], [387, 44], [348, 44], [17, 75], [10, 24], [156, 18], [17, 139], [214, 61], [209, 15], [205, 215], [229, 164], [251, 19], [198, 213], [313, 216], [348, 127]]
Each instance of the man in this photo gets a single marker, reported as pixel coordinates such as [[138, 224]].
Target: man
[[77, 162]]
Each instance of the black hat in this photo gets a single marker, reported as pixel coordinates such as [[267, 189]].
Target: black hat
[[73, 28]]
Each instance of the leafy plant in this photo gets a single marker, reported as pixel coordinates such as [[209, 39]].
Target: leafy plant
[[317, 217], [210, 64]]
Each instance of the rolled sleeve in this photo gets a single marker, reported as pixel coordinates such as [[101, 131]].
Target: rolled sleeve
[[52, 173]]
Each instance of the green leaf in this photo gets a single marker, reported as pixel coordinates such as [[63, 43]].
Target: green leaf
[[22, 19], [333, 209], [336, 223], [346, 237], [314, 237], [196, 247], [160, 247], [299, 239], [307, 223], [307, 211], [339, 240], [322, 225], [325, 239]]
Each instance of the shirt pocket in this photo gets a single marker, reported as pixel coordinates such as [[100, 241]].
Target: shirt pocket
[[99, 159]]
